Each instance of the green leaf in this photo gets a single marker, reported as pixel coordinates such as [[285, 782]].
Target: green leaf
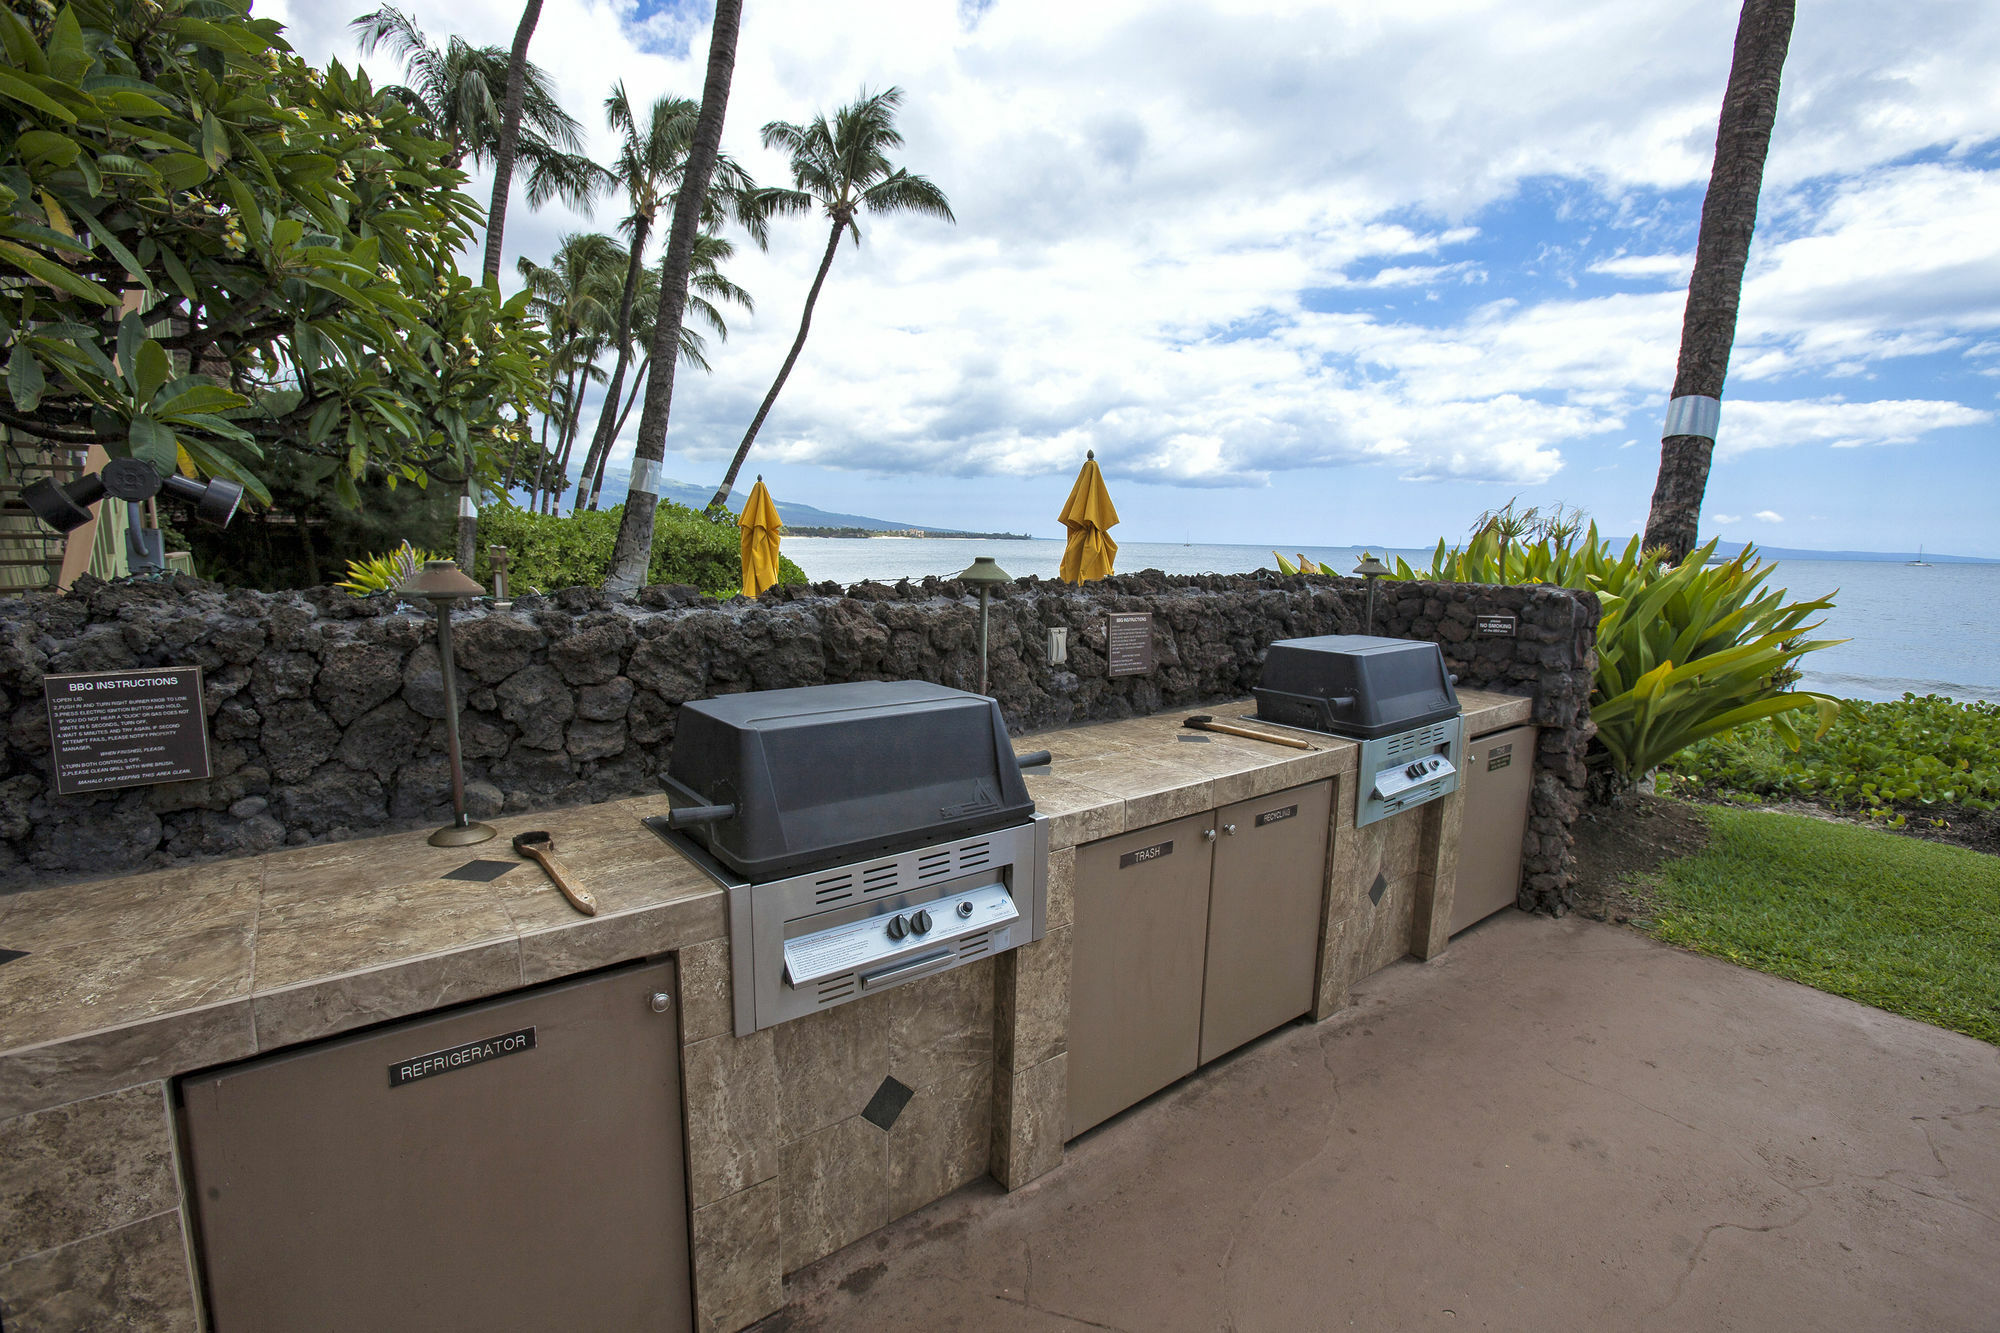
[[55, 274], [176, 271], [181, 171], [200, 398], [16, 88], [214, 141], [46, 148], [153, 369], [24, 378], [131, 333], [154, 443]]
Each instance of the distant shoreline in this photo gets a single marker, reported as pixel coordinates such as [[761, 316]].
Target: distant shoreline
[[909, 532]]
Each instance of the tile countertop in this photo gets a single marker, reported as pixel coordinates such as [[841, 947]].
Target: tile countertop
[[140, 977]]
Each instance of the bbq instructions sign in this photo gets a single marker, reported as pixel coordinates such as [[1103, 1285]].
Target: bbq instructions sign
[[126, 728]]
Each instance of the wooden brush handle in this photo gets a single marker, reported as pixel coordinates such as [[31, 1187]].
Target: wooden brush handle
[[580, 899], [1224, 727]]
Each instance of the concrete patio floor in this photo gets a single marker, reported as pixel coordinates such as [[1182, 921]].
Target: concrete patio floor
[[1557, 1125]]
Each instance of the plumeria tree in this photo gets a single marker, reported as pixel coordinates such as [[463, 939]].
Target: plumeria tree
[[210, 250]]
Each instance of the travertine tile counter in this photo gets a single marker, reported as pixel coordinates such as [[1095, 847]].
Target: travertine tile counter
[[126, 983]]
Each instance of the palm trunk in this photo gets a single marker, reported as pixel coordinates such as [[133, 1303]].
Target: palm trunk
[[561, 481], [510, 134], [1728, 218], [542, 464], [638, 378], [634, 548], [721, 496], [600, 440]]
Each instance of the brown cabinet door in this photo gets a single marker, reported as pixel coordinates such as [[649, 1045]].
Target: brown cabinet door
[[499, 1182], [1499, 774], [1264, 910], [1135, 966]]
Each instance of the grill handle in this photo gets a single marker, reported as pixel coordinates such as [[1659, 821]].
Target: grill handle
[[1033, 759], [689, 815]]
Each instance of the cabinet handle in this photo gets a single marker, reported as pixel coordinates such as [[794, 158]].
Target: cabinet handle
[[1208, 835], [1230, 829]]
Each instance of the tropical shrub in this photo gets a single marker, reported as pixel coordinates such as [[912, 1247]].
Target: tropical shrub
[[549, 551], [231, 252], [380, 573], [1304, 566], [1882, 759], [1683, 652]]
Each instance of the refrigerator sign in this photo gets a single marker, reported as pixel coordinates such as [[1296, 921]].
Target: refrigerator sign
[[461, 1057]]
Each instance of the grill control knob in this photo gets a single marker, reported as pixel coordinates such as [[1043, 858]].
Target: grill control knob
[[965, 909], [1415, 770], [920, 922], [899, 926]]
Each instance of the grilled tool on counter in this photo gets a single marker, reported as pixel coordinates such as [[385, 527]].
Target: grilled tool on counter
[[1203, 722], [538, 846]]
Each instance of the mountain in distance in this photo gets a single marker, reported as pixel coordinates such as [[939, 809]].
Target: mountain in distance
[[1728, 549], [791, 513]]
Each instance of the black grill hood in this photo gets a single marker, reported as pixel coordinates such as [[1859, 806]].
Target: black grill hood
[[832, 773], [1355, 685]]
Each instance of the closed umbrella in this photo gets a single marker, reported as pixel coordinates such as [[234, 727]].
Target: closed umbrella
[[761, 527], [1089, 516]]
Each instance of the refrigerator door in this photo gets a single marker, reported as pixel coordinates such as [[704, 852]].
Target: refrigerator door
[[516, 1164], [1264, 915], [1499, 776]]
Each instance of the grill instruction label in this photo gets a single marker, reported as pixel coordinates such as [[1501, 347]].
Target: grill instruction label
[[461, 1057], [126, 728], [1128, 643]]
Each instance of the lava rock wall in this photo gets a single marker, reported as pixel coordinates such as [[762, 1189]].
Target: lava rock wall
[[326, 711]]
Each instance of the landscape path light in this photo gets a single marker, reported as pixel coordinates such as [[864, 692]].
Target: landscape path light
[[985, 572], [440, 583], [1371, 569]]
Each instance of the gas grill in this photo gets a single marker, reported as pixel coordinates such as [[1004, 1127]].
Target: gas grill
[[1392, 695], [867, 834]]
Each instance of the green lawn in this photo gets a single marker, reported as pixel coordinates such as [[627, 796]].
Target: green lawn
[[1908, 926]]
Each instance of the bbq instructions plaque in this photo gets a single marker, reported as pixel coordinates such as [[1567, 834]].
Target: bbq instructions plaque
[[126, 728], [1128, 643]]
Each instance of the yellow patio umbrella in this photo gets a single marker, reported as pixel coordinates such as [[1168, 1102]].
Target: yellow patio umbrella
[[760, 525], [1089, 517]]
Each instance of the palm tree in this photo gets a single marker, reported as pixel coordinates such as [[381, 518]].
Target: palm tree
[[575, 297], [1728, 217], [706, 286], [460, 91], [844, 168], [650, 165], [633, 550]]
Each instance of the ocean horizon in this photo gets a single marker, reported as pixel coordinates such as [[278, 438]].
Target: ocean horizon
[[1907, 627]]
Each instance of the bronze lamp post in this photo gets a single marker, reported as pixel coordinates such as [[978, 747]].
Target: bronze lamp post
[[1371, 569], [440, 583], [985, 572]]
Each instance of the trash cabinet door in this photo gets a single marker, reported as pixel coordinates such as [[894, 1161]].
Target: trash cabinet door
[[513, 1165], [1135, 966]]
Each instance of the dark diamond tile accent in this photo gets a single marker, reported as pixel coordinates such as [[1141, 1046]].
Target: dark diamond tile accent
[[481, 872], [9, 955], [887, 1104], [1378, 888]]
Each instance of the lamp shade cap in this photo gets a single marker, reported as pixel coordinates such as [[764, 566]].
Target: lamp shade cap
[[1370, 567], [984, 569], [440, 581]]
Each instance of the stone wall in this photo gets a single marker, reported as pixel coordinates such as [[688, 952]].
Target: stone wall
[[326, 710]]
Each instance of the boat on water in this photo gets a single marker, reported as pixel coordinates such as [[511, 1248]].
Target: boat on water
[[1919, 562]]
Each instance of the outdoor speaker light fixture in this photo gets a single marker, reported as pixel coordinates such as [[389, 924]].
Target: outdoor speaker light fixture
[[66, 508], [1371, 569], [440, 583], [984, 571]]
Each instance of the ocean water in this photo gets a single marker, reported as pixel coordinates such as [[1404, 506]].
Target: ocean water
[[1926, 631]]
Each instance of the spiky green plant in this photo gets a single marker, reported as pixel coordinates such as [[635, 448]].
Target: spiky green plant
[[1304, 566], [1683, 652], [382, 573]]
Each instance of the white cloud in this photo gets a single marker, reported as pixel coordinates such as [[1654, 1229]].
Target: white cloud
[[1148, 194], [1723, 520], [1770, 516]]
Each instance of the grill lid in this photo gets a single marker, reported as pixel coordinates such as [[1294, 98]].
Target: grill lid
[[1355, 685], [777, 782]]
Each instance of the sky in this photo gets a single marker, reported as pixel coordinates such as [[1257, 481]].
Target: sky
[[1332, 273]]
